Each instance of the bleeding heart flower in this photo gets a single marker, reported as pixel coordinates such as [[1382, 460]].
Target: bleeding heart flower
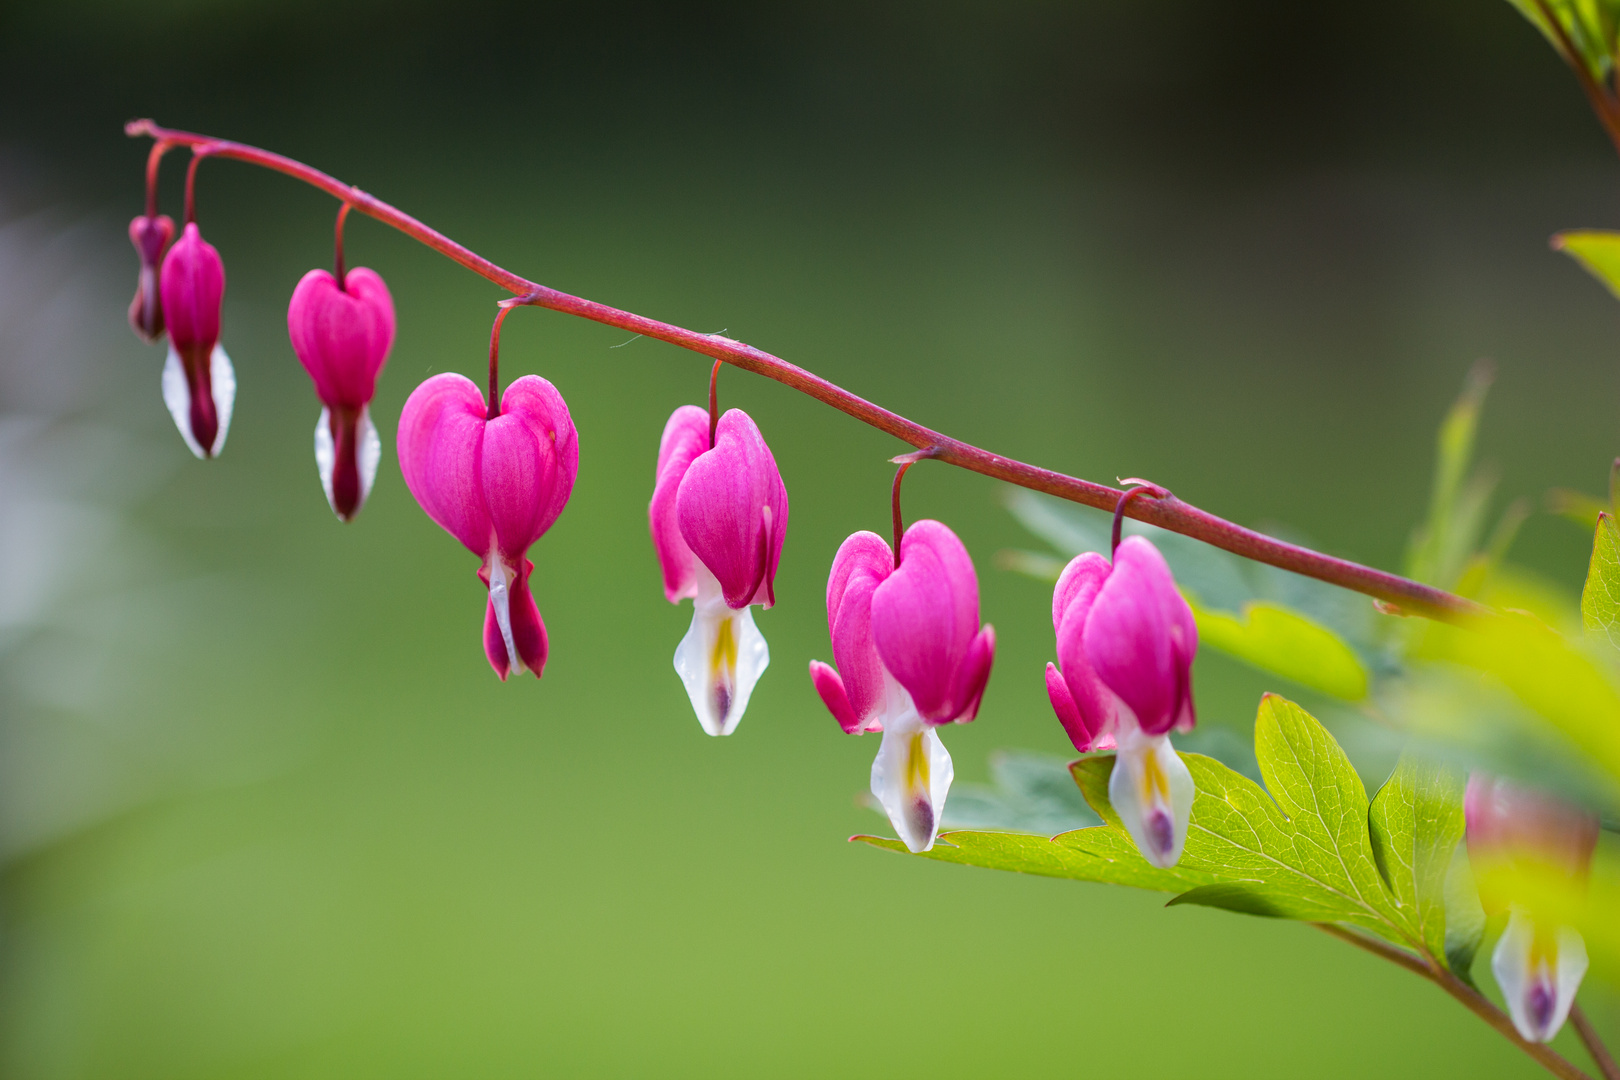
[[151, 236], [342, 333], [1125, 642], [911, 657], [496, 484], [199, 384], [718, 517], [1516, 833]]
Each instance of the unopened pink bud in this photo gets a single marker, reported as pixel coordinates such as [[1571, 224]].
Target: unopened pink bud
[[151, 238], [199, 384]]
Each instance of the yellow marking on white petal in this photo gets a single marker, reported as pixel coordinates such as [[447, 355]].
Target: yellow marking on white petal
[[917, 762], [1154, 783]]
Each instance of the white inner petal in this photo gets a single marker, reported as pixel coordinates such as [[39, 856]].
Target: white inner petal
[[1538, 978], [721, 657], [1152, 791], [222, 378], [911, 776], [369, 453], [177, 396], [500, 598], [326, 454]]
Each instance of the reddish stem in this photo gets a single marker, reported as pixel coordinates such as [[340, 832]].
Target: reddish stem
[[494, 409], [154, 162], [1152, 491], [191, 185], [1168, 513], [714, 402], [894, 498], [342, 216]]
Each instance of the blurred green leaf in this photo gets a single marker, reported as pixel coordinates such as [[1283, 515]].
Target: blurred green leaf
[[1598, 252], [1589, 26], [1029, 792], [1442, 547], [1600, 599], [1283, 642], [1550, 675], [1416, 823], [1465, 917]]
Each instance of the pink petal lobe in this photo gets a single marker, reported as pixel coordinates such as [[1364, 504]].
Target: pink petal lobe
[[733, 509], [1068, 713], [193, 287], [342, 336], [529, 463], [863, 562], [831, 689], [974, 674], [925, 617], [440, 445], [1080, 581], [686, 435], [1137, 641]]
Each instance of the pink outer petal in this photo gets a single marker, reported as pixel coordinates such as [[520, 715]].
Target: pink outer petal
[[530, 461], [925, 618], [733, 510], [686, 435], [1080, 581], [1139, 639], [528, 629], [974, 674], [440, 454], [192, 287], [1068, 713], [863, 562], [831, 689], [342, 336]]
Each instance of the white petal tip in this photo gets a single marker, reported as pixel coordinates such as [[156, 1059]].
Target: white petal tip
[[1152, 792], [719, 661], [177, 396]]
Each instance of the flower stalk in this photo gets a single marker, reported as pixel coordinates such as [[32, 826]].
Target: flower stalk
[[1169, 512]]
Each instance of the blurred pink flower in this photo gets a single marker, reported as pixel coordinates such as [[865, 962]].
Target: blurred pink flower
[[199, 384], [1125, 644], [496, 484], [342, 335], [911, 656], [718, 517], [1514, 831]]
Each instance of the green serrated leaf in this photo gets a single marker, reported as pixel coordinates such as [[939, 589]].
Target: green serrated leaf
[[1600, 598], [1074, 855], [1465, 917], [1252, 898], [1308, 852], [1275, 639], [1416, 822], [1597, 251]]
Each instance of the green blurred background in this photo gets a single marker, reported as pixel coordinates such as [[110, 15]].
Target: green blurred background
[[267, 813]]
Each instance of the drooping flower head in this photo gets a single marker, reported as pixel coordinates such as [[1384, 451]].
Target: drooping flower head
[[342, 333], [1515, 833], [911, 657], [718, 517], [1125, 645], [496, 484], [199, 384], [151, 236]]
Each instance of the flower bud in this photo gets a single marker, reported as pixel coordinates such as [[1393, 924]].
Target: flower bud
[[151, 238], [342, 334], [199, 384]]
